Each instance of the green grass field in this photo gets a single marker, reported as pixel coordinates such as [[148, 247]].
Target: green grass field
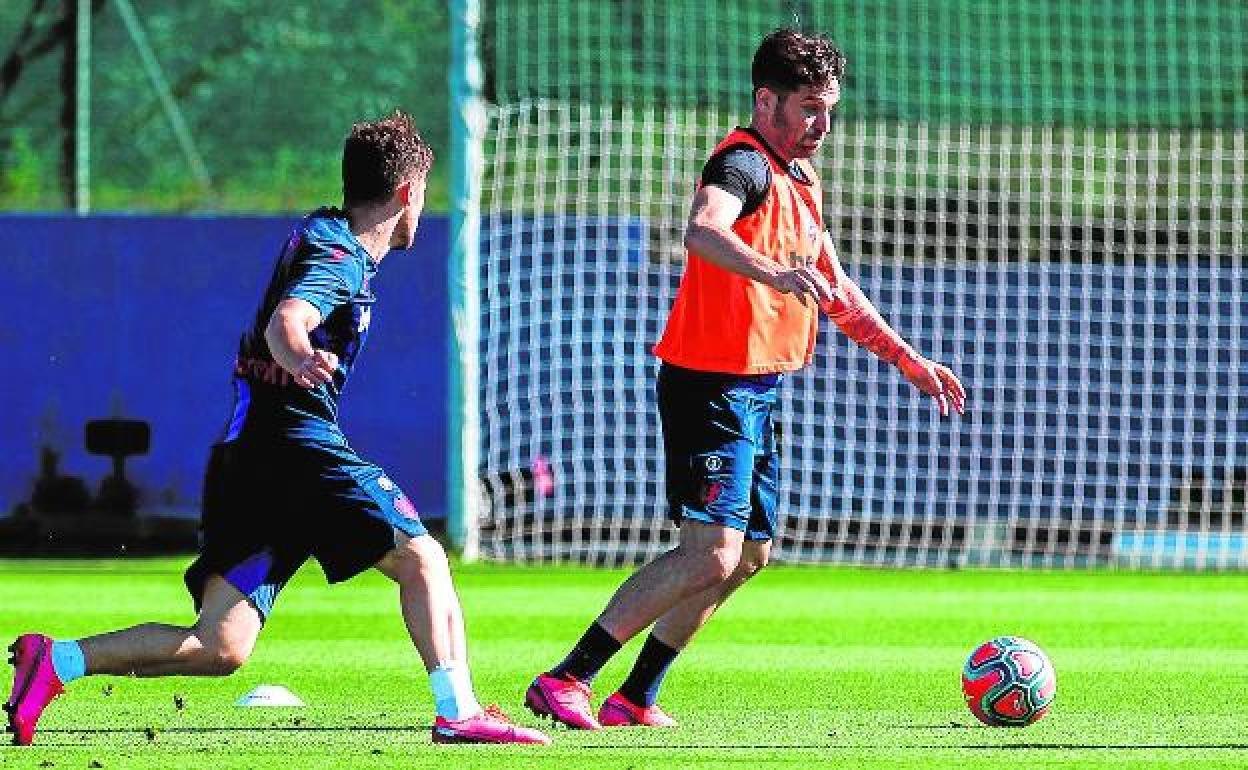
[[828, 667]]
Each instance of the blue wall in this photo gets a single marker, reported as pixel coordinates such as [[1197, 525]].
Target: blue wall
[[1094, 393], [140, 316]]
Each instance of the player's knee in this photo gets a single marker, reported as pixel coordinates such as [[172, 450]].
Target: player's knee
[[714, 565], [223, 658], [751, 566], [228, 662], [752, 562]]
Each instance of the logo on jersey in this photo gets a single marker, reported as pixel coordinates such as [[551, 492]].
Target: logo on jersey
[[366, 317], [714, 464], [812, 234], [809, 229], [261, 370], [405, 507], [711, 492]]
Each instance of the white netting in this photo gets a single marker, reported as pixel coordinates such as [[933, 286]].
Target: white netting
[[1064, 224]]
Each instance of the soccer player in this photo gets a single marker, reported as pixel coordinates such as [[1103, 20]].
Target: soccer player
[[760, 267], [283, 484]]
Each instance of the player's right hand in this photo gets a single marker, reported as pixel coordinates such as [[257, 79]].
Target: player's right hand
[[806, 281], [316, 369]]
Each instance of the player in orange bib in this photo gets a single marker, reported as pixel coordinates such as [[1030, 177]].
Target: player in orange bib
[[760, 270]]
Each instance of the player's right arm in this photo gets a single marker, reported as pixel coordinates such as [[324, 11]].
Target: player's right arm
[[291, 346], [709, 234]]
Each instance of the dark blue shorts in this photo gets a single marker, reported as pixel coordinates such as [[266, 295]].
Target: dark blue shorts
[[267, 509], [719, 444]]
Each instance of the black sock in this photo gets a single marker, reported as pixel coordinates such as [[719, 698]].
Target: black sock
[[589, 655], [642, 685]]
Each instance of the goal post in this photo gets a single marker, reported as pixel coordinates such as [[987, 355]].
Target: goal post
[[467, 124]]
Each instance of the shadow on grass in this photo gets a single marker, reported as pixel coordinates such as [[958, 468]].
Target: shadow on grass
[[1090, 746], [231, 729], [981, 747], [1074, 746], [152, 733], [942, 726]]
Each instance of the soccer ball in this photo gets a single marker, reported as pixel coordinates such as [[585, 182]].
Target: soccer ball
[[1008, 682]]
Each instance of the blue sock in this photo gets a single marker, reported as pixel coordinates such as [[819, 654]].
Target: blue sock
[[642, 686], [68, 661], [589, 655]]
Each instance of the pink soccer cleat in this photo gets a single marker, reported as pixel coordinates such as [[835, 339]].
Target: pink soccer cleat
[[563, 700], [490, 726], [618, 711], [35, 684]]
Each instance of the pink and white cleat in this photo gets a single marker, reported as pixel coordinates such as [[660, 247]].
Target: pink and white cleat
[[490, 726], [563, 700], [35, 685], [618, 711]]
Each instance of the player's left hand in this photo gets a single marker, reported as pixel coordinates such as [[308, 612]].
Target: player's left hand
[[936, 381], [316, 369]]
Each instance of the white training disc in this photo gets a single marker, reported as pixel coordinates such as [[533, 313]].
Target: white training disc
[[269, 695]]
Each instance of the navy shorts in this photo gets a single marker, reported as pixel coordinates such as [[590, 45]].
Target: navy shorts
[[720, 448], [267, 509]]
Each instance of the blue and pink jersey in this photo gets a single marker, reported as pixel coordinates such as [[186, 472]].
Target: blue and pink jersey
[[323, 264]]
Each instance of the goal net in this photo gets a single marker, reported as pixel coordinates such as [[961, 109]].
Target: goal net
[[1049, 197]]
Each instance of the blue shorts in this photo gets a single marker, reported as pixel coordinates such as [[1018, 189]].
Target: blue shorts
[[268, 508], [720, 447]]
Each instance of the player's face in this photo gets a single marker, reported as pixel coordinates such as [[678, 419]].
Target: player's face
[[801, 119], [405, 231]]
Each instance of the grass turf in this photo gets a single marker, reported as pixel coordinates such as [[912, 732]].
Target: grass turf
[[833, 667]]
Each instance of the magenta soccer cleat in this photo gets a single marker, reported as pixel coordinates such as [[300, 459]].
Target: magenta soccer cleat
[[618, 711], [563, 700], [35, 684], [490, 726]]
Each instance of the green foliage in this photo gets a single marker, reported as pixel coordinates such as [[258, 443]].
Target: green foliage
[[268, 90], [25, 174], [804, 667]]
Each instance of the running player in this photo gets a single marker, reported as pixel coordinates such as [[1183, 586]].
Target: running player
[[283, 484]]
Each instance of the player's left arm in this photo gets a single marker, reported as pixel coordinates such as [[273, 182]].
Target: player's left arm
[[321, 280], [854, 314], [287, 335]]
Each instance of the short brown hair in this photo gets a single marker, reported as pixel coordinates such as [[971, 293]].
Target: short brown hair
[[787, 59], [379, 155]]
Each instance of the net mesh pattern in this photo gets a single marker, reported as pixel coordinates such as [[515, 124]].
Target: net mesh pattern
[[1049, 197]]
